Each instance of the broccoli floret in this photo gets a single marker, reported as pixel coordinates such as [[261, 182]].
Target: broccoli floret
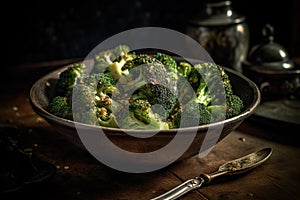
[[235, 106], [107, 85], [218, 112], [141, 116], [174, 118], [167, 60], [120, 50], [191, 114], [184, 69], [106, 118], [210, 88], [158, 95], [60, 107], [84, 104], [103, 82], [68, 78], [152, 81], [89, 79], [197, 113], [119, 68], [103, 100], [141, 70], [216, 95], [149, 69], [105, 58], [125, 63], [97, 88], [140, 109], [203, 94], [194, 78], [138, 60], [115, 69], [91, 100]]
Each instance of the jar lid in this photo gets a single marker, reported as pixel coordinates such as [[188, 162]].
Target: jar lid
[[269, 55], [218, 13]]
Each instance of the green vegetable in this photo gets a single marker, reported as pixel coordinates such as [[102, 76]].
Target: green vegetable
[[107, 85], [141, 116], [151, 80], [104, 58], [184, 69], [215, 91], [167, 60], [234, 106], [210, 87], [60, 107], [68, 78], [191, 114], [107, 119], [198, 114], [153, 88], [84, 105]]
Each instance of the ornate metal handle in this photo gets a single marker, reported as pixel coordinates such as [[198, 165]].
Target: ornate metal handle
[[181, 189]]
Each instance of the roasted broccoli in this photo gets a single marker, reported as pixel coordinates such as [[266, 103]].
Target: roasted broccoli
[[234, 107], [137, 60], [184, 69], [210, 87], [167, 60], [139, 71], [106, 118], [91, 105], [87, 99], [89, 79], [190, 114], [213, 99], [141, 116], [197, 114], [115, 69], [215, 91], [158, 95], [152, 81], [84, 105], [60, 107], [68, 78], [105, 58], [102, 82], [86, 109], [144, 91], [107, 85]]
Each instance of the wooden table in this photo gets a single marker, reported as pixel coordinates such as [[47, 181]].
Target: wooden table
[[80, 176]]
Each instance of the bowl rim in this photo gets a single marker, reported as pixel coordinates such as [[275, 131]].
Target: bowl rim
[[49, 117]]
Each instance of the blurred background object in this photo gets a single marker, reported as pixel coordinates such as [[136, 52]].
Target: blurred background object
[[270, 67], [278, 77], [51, 30], [222, 32]]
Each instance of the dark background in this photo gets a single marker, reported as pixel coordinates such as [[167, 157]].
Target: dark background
[[47, 30]]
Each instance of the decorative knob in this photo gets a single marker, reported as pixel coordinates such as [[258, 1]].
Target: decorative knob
[[268, 32]]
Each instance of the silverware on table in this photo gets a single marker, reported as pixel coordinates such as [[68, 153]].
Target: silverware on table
[[233, 167]]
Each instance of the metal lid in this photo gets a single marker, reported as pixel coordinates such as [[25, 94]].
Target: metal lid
[[218, 13], [269, 55]]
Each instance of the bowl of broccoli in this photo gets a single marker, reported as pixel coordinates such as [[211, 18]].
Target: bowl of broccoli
[[144, 93]]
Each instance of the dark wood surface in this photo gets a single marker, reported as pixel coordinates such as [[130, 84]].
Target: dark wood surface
[[80, 176]]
